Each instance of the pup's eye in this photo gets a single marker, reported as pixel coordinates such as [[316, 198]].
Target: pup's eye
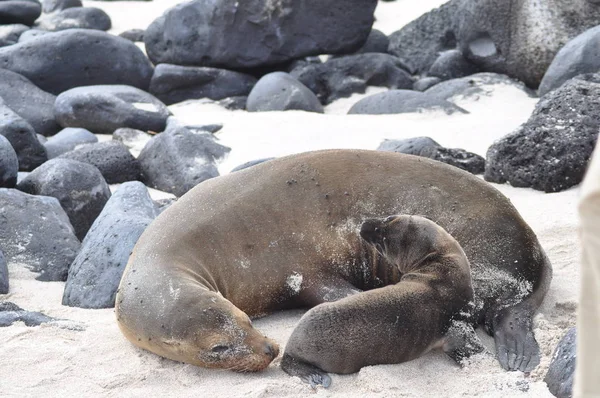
[[219, 348]]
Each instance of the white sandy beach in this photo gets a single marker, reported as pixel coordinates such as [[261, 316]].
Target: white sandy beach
[[87, 356]]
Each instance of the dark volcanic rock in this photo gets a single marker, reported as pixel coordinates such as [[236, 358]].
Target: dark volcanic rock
[[22, 137], [78, 57], [103, 109], [451, 65], [578, 56], [279, 91], [67, 140], [426, 147], [28, 101], [425, 83], [49, 6], [75, 18], [474, 86], [520, 37], [113, 159], [9, 164], [173, 83], [36, 231], [249, 164], [562, 368], [344, 76], [419, 43], [377, 42], [3, 274], [9, 34], [19, 12], [96, 272], [401, 101], [134, 35], [179, 159], [79, 187], [11, 313], [230, 34], [550, 152]]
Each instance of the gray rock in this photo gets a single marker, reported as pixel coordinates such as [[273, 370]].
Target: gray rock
[[83, 56], [9, 34], [550, 152], [178, 159], [578, 56], [250, 164], [49, 6], [112, 158], [278, 91], [67, 140], [28, 101], [3, 274], [133, 35], [9, 164], [562, 368], [520, 37], [377, 42], [96, 272], [232, 35], [11, 313], [103, 109], [22, 137], [36, 232], [79, 187], [451, 65], [344, 76], [427, 147], [474, 86], [75, 18], [425, 83], [173, 83], [401, 101], [19, 12], [419, 43]]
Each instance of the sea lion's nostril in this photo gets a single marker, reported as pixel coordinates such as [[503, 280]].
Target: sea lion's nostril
[[271, 350]]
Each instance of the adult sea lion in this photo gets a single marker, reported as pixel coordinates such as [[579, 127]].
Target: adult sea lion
[[284, 234], [396, 323]]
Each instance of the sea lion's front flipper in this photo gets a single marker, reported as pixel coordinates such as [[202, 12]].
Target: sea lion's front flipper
[[462, 341], [516, 346], [306, 372]]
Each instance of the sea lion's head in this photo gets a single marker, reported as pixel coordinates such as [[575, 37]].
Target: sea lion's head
[[403, 240]]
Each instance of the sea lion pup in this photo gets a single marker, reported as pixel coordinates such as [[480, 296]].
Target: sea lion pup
[[285, 234], [396, 323]]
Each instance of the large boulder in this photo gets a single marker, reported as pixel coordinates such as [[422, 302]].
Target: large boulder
[[96, 272], [278, 91], [75, 18], [562, 368], [9, 164], [419, 43], [71, 58], [401, 101], [521, 37], [103, 109], [36, 231], [79, 187], [173, 83], [67, 140], [28, 101], [19, 11], [232, 34], [580, 55], [550, 152], [344, 76], [112, 158], [179, 159], [30, 152]]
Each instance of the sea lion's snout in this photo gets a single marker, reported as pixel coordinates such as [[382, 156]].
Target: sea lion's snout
[[271, 349], [371, 230]]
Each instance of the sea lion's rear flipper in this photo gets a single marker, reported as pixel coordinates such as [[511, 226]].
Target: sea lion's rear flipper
[[462, 341], [516, 346], [308, 373]]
